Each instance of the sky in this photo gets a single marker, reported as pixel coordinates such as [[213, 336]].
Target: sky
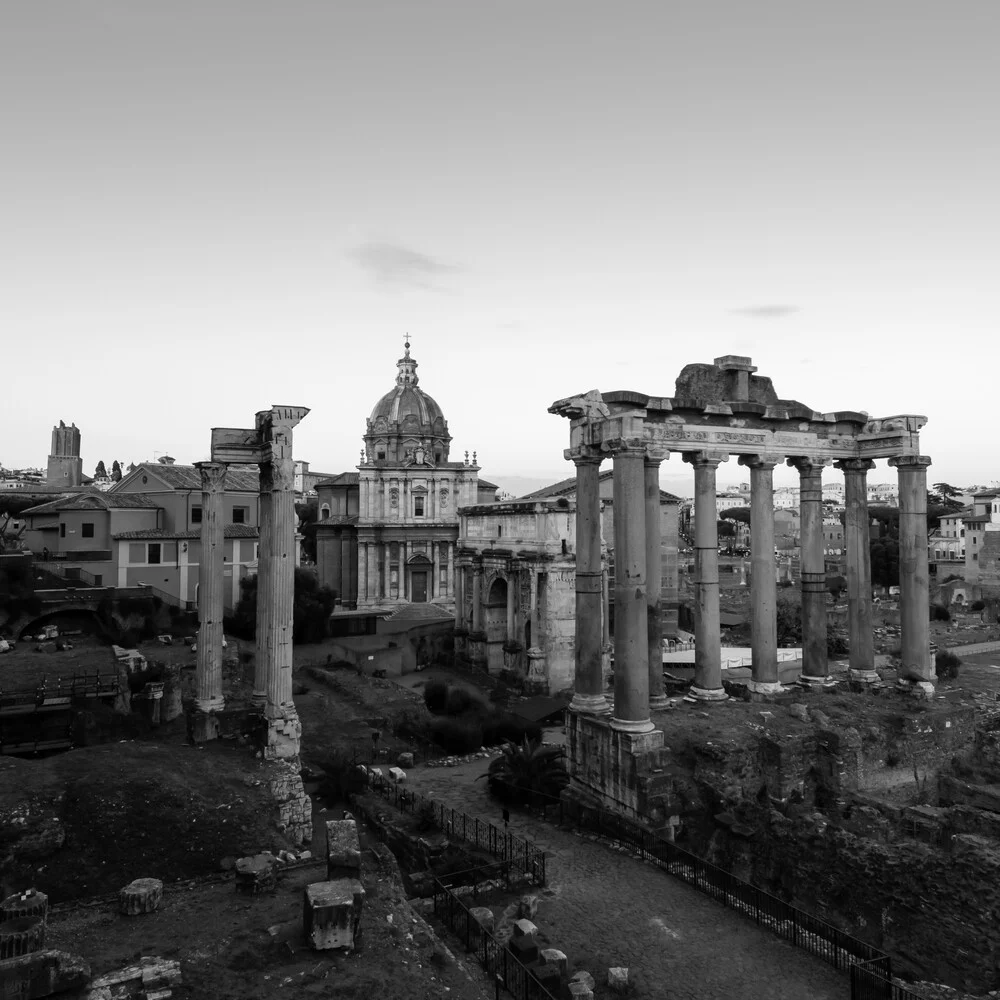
[[213, 206]]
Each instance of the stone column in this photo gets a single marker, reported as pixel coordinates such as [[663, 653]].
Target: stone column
[[362, 571], [859, 570], [281, 585], [588, 693], [459, 591], [435, 584], [533, 610], [763, 587], [605, 610], [654, 578], [345, 566], [707, 640], [450, 589], [211, 584], [262, 634], [631, 711], [815, 666], [387, 579], [511, 607], [917, 670], [477, 596]]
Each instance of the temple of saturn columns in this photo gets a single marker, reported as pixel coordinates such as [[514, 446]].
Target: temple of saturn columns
[[716, 411], [269, 445]]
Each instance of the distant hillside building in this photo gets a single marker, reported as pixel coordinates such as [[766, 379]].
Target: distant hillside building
[[65, 467]]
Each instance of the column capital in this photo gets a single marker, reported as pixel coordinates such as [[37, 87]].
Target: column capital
[[584, 455], [705, 459], [656, 454], [910, 462], [861, 465], [213, 476], [806, 464], [762, 462]]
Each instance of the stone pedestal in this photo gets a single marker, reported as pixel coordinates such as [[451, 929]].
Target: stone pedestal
[[211, 586], [343, 849], [30, 903], [589, 690], [332, 914], [616, 768], [256, 874], [140, 896]]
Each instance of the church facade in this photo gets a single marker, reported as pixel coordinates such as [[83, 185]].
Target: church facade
[[386, 536]]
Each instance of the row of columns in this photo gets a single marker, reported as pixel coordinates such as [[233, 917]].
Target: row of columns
[[368, 584], [272, 689], [638, 682]]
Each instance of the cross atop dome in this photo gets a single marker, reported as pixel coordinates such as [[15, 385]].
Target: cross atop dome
[[407, 367]]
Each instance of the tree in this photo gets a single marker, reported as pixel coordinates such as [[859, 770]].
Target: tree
[[308, 514], [116, 471], [741, 514], [311, 610], [10, 510], [726, 529], [885, 562], [100, 472]]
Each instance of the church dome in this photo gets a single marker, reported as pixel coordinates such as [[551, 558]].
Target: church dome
[[407, 422]]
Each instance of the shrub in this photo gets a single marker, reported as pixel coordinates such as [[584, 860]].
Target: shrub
[[977, 606], [506, 728], [940, 613], [436, 696], [457, 736], [946, 664]]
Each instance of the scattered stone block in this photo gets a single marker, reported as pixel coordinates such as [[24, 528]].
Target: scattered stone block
[[140, 896], [524, 928], [618, 979], [152, 977], [405, 760], [583, 977], [42, 973], [30, 903], [580, 991], [483, 916], [524, 949], [343, 849], [255, 875], [165, 640], [397, 774], [553, 956], [799, 711], [548, 977], [332, 913], [528, 907], [21, 936]]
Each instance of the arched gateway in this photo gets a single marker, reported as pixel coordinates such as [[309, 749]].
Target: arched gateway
[[716, 411]]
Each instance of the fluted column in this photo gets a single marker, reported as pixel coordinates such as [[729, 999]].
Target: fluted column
[[815, 665], [265, 610], [631, 711], [387, 576], [654, 578], [707, 626], [588, 693], [859, 569], [362, 572], [917, 671], [435, 583], [450, 587], [211, 586], [281, 583], [511, 607], [763, 587], [345, 565]]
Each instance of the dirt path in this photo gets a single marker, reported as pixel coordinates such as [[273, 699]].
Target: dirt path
[[604, 908]]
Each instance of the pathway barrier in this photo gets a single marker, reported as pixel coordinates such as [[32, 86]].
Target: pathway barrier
[[522, 856]]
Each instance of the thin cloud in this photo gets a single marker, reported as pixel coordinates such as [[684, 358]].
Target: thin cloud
[[766, 312], [391, 264]]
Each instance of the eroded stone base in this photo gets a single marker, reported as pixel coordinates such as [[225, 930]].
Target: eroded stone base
[[294, 806], [284, 736], [615, 769]]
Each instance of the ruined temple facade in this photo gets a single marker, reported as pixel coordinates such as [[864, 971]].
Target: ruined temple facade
[[716, 411], [387, 537]]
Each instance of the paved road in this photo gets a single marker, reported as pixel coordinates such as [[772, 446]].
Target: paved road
[[604, 908]]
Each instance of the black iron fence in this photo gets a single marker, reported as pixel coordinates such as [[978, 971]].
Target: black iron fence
[[522, 856], [873, 981], [508, 972]]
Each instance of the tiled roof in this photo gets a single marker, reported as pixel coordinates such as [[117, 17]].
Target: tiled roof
[[187, 477], [566, 486], [232, 531], [94, 501], [408, 616], [486, 484], [342, 479]]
